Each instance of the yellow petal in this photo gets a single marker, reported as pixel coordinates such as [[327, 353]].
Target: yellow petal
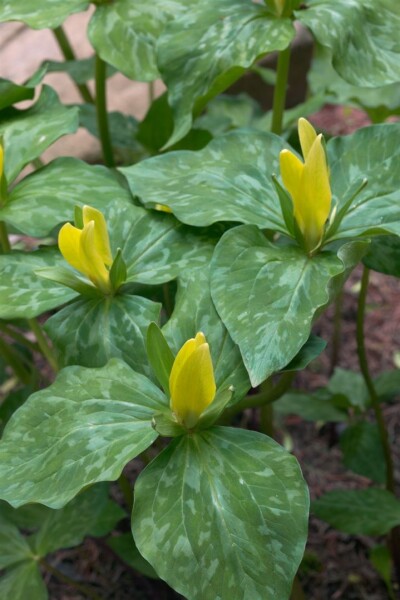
[[315, 194], [291, 172], [187, 349], [91, 260], [101, 239], [307, 135], [69, 243], [194, 387], [1, 160]]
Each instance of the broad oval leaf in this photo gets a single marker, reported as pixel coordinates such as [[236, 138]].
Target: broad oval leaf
[[50, 195], [362, 35], [13, 546], [223, 514], [371, 511], [363, 452], [28, 133], [229, 180], [384, 255], [82, 429], [209, 46], [41, 15], [22, 292], [23, 581], [90, 331], [268, 295], [376, 209], [124, 33]]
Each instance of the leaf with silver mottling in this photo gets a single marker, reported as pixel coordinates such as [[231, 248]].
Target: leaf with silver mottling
[[82, 429], [268, 295], [223, 514]]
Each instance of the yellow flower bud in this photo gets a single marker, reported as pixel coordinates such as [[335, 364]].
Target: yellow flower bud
[[191, 382], [308, 185], [88, 249]]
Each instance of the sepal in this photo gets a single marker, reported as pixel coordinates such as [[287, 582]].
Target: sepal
[[166, 426], [65, 277], [118, 271], [160, 355]]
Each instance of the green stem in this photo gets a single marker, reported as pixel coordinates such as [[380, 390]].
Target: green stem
[[69, 54], [127, 491], [278, 107], [394, 535], [43, 343], [18, 337], [267, 419], [4, 241], [101, 111], [363, 361], [337, 330], [69, 581], [264, 397], [12, 357]]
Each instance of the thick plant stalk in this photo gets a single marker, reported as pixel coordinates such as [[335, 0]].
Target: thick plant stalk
[[69, 54], [101, 111], [394, 535], [282, 74]]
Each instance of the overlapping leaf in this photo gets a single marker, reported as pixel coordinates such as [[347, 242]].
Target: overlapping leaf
[[194, 311], [11, 93], [83, 429], [27, 133], [236, 526], [38, 14], [268, 295], [206, 48], [229, 180], [50, 195], [124, 34], [22, 292], [90, 331], [361, 35]]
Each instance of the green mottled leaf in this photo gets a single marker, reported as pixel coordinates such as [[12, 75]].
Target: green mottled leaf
[[82, 429], [23, 581], [361, 35], [124, 546], [379, 102], [90, 331], [25, 294], [371, 511], [229, 112], [209, 46], [229, 180], [194, 311], [38, 14], [376, 209], [313, 347], [80, 71], [13, 546], [123, 128], [124, 33], [236, 526], [362, 451], [11, 93], [155, 246], [90, 513], [311, 407], [352, 386], [28, 133], [268, 295], [384, 255], [50, 195]]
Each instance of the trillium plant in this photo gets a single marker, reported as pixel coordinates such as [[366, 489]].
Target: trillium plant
[[155, 307]]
